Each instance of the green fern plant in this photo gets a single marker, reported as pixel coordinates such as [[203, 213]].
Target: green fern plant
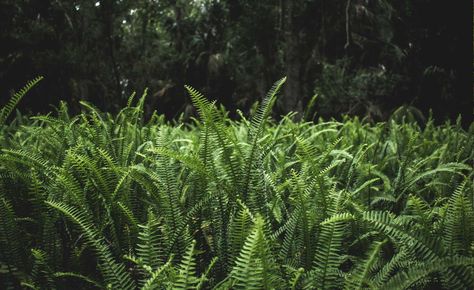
[[254, 267], [119, 201], [15, 99], [114, 273]]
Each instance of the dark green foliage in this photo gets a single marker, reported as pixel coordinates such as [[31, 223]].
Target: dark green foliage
[[112, 201], [360, 57], [8, 108]]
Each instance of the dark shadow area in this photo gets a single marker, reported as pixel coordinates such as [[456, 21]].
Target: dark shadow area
[[363, 58]]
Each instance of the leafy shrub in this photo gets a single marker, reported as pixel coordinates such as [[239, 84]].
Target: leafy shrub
[[356, 92]]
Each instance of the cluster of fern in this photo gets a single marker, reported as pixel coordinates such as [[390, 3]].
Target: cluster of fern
[[101, 201]]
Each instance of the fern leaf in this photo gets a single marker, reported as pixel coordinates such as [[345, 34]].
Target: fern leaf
[[8, 108], [404, 279], [187, 270], [324, 274], [254, 268], [114, 273], [256, 129], [361, 275]]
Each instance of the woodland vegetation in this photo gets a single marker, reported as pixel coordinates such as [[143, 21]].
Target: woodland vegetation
[[359, 57], [355, 171], [117, 201]]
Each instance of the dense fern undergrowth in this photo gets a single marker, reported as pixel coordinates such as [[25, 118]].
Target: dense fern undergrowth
[[116, 202]]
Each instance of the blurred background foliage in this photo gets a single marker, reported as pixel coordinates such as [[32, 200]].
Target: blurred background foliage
[[358, 57]]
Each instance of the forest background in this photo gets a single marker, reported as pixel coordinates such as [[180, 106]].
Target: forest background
[[356, 57]]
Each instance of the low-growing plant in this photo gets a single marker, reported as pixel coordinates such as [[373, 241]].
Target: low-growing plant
[[119, 202]]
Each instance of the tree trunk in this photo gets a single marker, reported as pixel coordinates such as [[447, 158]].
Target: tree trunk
[[293, 87], [108, 32]]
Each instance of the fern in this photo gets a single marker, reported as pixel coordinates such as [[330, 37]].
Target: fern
[[157, 277], [15, 99], [256, 129], [150, 246], [187, 278], [114, 273], [12, 253], [41, 274], [324, 274], [239, 229], [253, 267], [459, 219], [119, 201], [360, 277], [404, 279], [387, 223]]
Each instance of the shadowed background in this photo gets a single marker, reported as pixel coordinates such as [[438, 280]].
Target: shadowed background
[[359, 57]]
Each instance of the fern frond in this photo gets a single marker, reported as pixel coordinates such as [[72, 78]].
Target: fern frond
[[324, 274], [458, 221], [150, 246], [41, 274], [114, 273], [11, 251], [360, 277], [8, 108], [239, 228], [187, 278], [257, 124], [66, 275], [404, 279], [386, 222], [157, 278], [254, 267]]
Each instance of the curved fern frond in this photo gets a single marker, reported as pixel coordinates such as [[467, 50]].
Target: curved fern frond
[[66, 275], [157, 278], [8, 108], [150, 247], [257, 124], [404, 279], [239, 228], [41, 274], [386, 222], [114, 273], [360, 277]]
